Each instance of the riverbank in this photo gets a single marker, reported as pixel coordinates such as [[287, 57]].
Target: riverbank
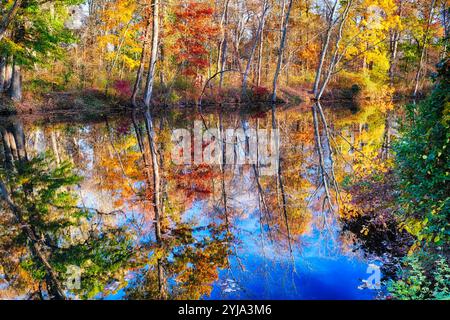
[[97, 102]]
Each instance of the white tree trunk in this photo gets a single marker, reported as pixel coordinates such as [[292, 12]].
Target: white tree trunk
[[2, 73], [15, 90], [140, 72], [280, 53], [325, 47], [154, 57]]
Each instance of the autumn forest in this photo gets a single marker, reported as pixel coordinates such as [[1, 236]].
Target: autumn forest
[[224, 149]]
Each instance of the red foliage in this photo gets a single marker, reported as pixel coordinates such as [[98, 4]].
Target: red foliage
[[196, 183], [195, 26], [123, 88], [260, 92], [123, 127]]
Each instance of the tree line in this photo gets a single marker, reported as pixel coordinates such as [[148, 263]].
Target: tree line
[[169, 51]]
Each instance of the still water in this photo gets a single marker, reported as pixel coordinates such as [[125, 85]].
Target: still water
[[226, 232]]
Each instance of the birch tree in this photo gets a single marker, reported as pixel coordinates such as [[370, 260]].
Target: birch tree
[[281, 52], [154, 55]]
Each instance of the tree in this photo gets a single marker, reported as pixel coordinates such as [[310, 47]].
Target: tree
[[194, 34], [9, 16], [154, 55], [265, 10], [37, 35], [281, 52], [422, 167], [424, 46]]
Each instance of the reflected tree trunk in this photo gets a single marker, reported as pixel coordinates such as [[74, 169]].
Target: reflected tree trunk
[[55, 147], [279, 178], [13, 140], [156, 181], [327, 175], [54, 286], [153, 182], [385, 148], [222, 171], [255, 167], [322, 169], [156, 197]]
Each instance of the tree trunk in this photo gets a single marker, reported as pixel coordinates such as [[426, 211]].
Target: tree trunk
[[154, 56], [260, 57], [424, 48], [325, 48], [252, 52], [280, 53], [223, 44], [140, 71], [335, 58], [6, 20], [393, 46], [446, 25], [8, 74], [393, 56], [15, 90], [162, 48], [2, 73]]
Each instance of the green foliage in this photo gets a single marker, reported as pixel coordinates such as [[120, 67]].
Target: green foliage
[[423, 163], [362, 85], [39, 33], [45, 195], [42, 86], [426, 277], [423, 168]]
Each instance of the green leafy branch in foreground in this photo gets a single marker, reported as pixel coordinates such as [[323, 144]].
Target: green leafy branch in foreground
[[44, 196]]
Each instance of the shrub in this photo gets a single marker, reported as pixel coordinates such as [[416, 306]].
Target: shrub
[[422, 167], [122, 88]]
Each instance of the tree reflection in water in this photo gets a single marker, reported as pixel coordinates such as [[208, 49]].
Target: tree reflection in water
[[105, 197]]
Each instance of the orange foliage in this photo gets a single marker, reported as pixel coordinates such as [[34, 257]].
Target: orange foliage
[[195, 26]]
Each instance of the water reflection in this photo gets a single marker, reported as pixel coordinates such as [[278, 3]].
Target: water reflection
[[140, 227]]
